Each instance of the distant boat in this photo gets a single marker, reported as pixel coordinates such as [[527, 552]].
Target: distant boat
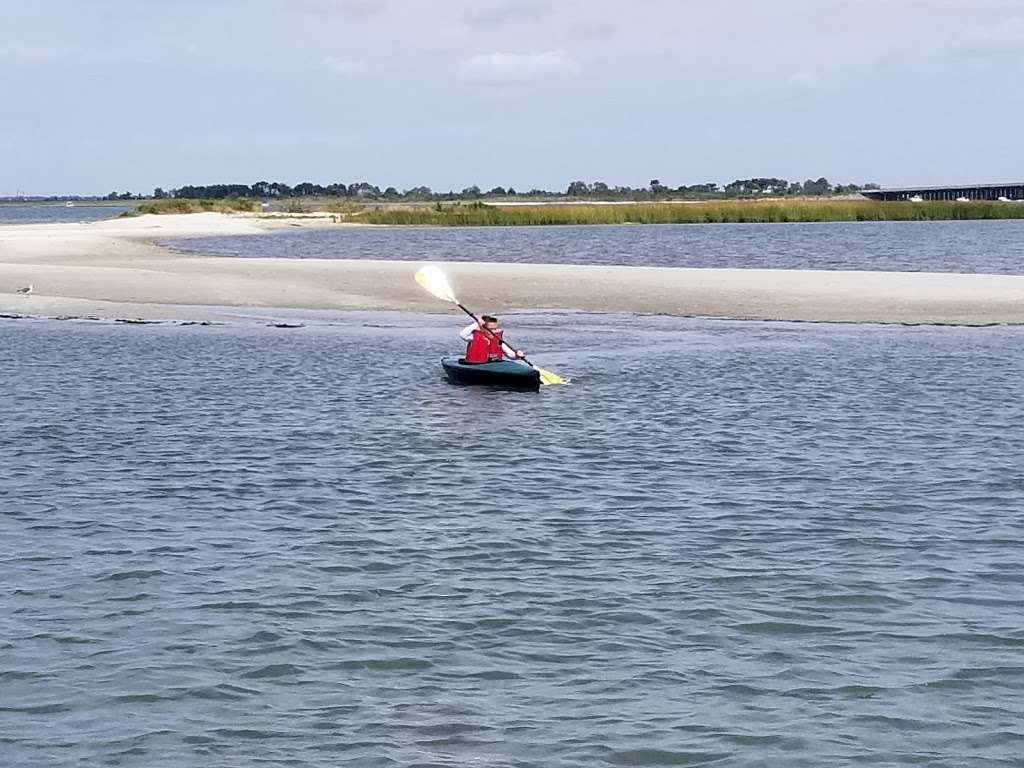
[[69, 204], [1005, 200], [916, 199], [963, 199]]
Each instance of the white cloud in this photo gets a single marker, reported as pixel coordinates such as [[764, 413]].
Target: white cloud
[[345, 68], [364, 7], [358, 9], [503, 12], [1005, 39], [803, 80], [518, 66], [27, 53]]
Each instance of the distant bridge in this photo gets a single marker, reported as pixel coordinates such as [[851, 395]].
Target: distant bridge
[[970, 192]]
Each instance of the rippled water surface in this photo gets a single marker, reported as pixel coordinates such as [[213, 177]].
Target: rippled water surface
[[940, 246], [49, 212], [726, 544]]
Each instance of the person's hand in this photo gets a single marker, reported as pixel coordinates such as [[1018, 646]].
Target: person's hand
[[520, 354]]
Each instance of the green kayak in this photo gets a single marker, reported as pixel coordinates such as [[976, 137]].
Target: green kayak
[[503, 373]]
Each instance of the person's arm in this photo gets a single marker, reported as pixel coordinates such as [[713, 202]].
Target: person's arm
[[466, 334], [509, 351]]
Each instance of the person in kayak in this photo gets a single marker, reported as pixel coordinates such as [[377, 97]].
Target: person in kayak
[[484, 344]]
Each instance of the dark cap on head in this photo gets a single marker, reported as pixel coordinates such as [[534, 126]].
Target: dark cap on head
[[489, 319]]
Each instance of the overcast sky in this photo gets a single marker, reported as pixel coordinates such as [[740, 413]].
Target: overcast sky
[[123, 94]]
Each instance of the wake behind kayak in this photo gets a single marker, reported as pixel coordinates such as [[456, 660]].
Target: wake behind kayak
[[499, 373]]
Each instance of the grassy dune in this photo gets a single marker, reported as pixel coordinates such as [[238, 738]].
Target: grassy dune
[[183, 205], [717, 212]]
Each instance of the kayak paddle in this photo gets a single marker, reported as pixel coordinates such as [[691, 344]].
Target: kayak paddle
[[433, 279]]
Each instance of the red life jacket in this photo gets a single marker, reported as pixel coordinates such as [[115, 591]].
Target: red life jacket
[[484, 347]]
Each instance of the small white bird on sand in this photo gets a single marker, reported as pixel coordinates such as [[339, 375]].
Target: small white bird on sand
[[25, 291]]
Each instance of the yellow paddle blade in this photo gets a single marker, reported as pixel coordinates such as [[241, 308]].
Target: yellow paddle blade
[[433, 279], [548, 377]]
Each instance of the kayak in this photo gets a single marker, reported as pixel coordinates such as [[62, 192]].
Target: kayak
[[502, 373]]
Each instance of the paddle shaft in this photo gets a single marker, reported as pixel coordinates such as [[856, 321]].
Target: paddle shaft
[[459, 305]]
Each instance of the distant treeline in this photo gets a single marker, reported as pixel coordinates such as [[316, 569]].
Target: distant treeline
[[577, 190], [20, 199]]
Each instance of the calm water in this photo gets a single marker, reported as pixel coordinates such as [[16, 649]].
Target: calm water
[[45, 213], [726, 544], [945, 246]]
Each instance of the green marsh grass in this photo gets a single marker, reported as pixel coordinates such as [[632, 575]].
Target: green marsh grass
[[716, 212]]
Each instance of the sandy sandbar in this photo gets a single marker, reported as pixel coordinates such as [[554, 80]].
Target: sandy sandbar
[[112, 268]]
